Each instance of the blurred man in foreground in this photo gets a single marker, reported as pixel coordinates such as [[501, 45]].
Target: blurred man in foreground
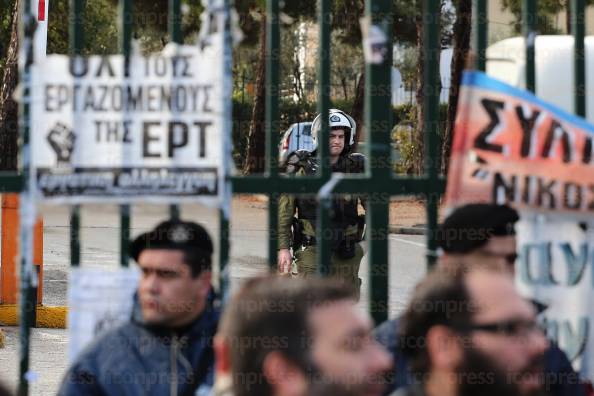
[[482, 235], [166, 348], [298, 337], [479, 337]]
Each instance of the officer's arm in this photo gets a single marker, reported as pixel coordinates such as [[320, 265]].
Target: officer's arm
[[286, 211], [357, 165]]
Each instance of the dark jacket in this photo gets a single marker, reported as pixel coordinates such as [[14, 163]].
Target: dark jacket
[[135, 359], [562, 380]]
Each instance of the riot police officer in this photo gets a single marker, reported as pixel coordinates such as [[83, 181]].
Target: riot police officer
[[297, 216]]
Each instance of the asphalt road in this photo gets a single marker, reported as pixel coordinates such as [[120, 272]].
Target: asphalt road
[[100, 249]]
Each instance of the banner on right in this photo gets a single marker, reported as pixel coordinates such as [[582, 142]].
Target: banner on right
[[511, 147]]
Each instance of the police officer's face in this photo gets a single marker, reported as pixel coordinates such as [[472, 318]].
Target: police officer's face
[[336, 141], [169, 295], [348, 358]]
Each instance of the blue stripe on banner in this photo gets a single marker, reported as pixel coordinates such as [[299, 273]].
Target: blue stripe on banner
[[478, 79]]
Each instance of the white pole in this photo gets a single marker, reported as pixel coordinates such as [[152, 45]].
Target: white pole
[[41, 11]]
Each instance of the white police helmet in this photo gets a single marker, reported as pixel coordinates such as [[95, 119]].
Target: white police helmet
[[337, 119]]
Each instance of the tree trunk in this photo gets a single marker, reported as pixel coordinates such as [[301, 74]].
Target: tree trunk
[[432, 56], [419, 142], [8, 107], [358, 109], [256, 145], [461, 48]]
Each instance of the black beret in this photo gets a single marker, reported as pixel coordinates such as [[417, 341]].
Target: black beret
[[175, 235], [470, 227]]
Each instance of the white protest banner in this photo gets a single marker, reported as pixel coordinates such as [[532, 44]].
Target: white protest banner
[[147, 129], [511, 147], [555, 268], [98, 300]]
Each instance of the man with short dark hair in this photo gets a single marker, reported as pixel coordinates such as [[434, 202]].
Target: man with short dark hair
[[479, 231], [481, 235], [298, 337], [479, 337], [166, 347]]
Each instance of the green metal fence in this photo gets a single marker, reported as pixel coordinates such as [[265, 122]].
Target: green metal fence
[[378, 184]]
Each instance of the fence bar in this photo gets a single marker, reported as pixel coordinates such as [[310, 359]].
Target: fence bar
[[74, 236], [124, 234], [10, 182], [480, 34], [431, 9], [76, 40], [174, 212], [125, 27], [225, 210], [125, 48], [350, 184], [175, 35], [323, 235], [578, 27], [28, 281], [529, 29], [175, 32], [271, 124], [377, 116]]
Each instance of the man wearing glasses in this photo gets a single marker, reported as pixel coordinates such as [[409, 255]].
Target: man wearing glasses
[[470, 333], [481, 235]]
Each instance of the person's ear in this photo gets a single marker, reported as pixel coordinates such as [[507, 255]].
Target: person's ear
[[444, 348], [204, 279], [284, 377]]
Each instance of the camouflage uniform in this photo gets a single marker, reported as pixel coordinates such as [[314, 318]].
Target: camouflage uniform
[[346, 250]]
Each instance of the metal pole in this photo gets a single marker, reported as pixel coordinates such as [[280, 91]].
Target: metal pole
[[431, 8], [225, 211], [175, 35], [76, 47], [378, 119], [480, 33], [529, 30], [28, 277], [578, 27], [271, 124], [125, 47], [324, 253], [175, 32]]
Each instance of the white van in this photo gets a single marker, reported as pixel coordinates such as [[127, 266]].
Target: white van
[[554, 68]]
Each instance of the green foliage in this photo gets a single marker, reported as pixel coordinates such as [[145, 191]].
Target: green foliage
[[403, 148], [403, 142], [101, 21], [100, 32], [5, 28], [289, 111], [346, 15], [547, 9], [151, 23]]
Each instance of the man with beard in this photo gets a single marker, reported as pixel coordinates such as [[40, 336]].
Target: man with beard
[[298, 337], [481, 235], [470, 333]]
